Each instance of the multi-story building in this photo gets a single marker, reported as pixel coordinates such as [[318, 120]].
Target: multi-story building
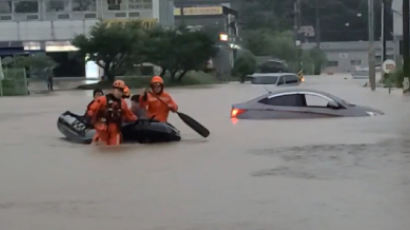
[[217, 17], [50, 25]]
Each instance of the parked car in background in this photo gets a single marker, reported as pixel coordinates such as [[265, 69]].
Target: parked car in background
[[273, 66], [278, 79]]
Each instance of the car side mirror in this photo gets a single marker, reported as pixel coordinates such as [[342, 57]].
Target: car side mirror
[[333, 105]]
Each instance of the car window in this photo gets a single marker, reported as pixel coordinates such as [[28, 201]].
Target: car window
[[316, 101], [265, 80], [285, 100], [281, 81], [291, 79]]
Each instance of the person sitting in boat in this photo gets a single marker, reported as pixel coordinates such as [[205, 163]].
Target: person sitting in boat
[[136, 108], [157, 102], [96, 94]]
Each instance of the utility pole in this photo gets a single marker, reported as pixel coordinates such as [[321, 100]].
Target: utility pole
[[372, 71], [383, 32], [406, 51], [298, 22], [317, 12], [295, 19]]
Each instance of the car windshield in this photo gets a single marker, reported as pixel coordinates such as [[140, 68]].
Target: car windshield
[[265, 80]]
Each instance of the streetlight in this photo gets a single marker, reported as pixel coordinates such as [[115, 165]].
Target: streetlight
[[223, 37]]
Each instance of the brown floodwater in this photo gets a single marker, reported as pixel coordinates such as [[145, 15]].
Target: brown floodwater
[[339, 173]]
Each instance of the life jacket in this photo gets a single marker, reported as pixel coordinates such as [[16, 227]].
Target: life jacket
[[112, 113]]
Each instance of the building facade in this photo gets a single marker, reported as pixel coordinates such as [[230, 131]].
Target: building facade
[[346, 57], [217, 18], [36, 22], [50, 25]]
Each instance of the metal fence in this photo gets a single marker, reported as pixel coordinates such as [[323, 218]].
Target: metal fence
[[14, 83]]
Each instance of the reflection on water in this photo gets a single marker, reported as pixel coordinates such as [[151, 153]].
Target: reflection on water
[[234, 120], [91, 81]]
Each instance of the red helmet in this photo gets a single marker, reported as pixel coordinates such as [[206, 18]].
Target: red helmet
[[157, 79], [120, 84]]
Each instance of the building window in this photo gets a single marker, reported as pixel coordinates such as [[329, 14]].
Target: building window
[[84, 5], [140, 4], [26, 6], [332, 63], [116, 5], [56, 5], [5, 7], [356, 62]]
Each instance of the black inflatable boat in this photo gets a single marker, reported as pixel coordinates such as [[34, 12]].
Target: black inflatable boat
[[75, 129]]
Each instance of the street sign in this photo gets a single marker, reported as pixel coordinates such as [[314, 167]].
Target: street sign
[[389, 66]]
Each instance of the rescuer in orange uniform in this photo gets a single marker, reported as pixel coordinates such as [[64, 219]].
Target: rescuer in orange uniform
[[107, 114], [158, 103]]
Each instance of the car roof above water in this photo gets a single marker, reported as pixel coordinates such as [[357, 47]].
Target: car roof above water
[[271, 74], [303, 91]]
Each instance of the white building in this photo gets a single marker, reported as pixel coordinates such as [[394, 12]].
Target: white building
[[51, 24]]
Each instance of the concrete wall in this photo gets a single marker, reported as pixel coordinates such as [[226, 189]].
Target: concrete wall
[[49, 28], [166, 13]]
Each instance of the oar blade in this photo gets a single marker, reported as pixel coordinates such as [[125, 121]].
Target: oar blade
[[195, 125]]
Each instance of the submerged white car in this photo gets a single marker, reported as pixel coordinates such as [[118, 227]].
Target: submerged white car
[[278, 79]]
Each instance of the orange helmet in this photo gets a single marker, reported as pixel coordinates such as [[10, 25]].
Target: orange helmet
[[157, 79], [120, 84], [127, 92]]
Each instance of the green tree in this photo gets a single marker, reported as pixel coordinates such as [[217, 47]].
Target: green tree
[[38, 65], [244, 65], [111, 46], [192, 51], [318, 58], [178, 51], [158, 48], [264, 42]]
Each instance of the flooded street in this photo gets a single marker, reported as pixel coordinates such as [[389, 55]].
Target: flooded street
[[338, 173]]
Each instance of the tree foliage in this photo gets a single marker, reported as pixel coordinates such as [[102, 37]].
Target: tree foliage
[[118, 46], [244, 65], [192, 50], [111, 46], [37, 65], [279, 15], [178, 51], [263, 42]]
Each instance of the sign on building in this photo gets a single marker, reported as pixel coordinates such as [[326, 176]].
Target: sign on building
[[197, 11]]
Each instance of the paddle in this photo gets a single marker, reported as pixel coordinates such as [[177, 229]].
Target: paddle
[[195, 125]]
